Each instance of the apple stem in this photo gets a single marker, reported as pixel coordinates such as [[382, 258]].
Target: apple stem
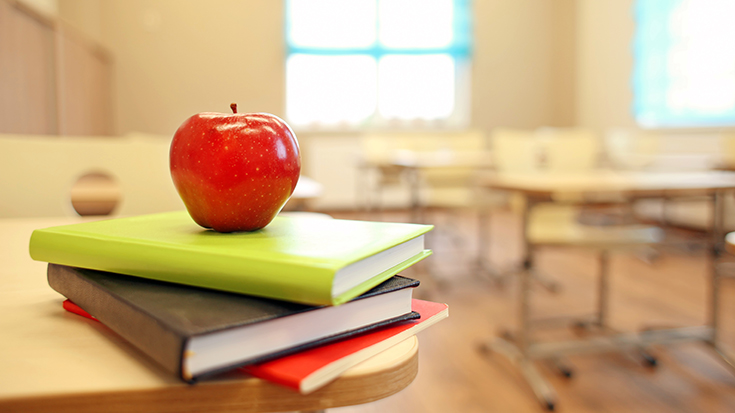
[[233, 106]]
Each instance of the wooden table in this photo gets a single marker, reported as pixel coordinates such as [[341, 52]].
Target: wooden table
[[52, 360], [591, 186]]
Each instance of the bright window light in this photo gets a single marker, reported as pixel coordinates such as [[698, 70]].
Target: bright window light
[[373, 63], [416, 23], [684, 72], [702, 77], [416, 87], [330, 89], [325, 24]]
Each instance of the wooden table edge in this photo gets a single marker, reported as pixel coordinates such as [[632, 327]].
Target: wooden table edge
[[356, 386], [730, 242]]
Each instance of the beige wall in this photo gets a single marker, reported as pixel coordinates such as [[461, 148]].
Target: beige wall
[[174, 58], [604, 62], [85, 15], [535, 62], [511, 63]]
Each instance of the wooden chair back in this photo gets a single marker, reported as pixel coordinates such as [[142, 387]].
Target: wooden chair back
[[42, 174]]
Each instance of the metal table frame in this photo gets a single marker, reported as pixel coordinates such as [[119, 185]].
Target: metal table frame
[[523, 352]]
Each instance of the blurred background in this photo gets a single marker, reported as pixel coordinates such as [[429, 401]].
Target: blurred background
[[399, 106], [113, 68]]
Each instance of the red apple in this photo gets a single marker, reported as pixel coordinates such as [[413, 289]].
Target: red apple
[[235, 171]]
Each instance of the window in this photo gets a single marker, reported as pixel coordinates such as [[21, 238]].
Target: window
[[684, 74], [377, 63]]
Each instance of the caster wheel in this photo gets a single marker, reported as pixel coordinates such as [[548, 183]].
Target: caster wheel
[[581, 327], [650, 360]]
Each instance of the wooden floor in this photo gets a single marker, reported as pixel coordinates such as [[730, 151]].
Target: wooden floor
[[455, 377]]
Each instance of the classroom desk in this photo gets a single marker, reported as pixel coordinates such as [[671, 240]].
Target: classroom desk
[[447, 165], [592, 186], [458, 167], [56, 361]]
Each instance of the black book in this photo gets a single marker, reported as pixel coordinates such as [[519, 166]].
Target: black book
[[195, 332]]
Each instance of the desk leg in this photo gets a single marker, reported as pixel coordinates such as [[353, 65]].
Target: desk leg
[[603, 288], [516, 349], [415, 184], [528, 265], [484, 265], [541, 388], [715, 254], [716, 250]]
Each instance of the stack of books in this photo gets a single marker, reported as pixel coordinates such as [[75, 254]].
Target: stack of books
[[297, 303]]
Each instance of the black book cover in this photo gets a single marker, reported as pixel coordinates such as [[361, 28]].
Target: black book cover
[[159, 318]]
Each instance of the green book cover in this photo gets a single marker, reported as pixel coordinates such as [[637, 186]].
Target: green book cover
[[302, 259]]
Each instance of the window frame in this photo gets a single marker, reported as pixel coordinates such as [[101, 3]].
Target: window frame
[[460, 51]]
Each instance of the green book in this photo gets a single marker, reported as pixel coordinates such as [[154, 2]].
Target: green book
[[301, 259]]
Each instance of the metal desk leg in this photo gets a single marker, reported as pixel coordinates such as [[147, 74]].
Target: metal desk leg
[[541, 388], [517, 351], [603, 303], [414, 179], [716, 250], [484, 265], [548, 284], [715, 254], [484, 228], [602, 288], [500, 278]]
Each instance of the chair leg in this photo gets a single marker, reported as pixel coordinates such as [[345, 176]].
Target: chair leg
[[540, 387], [603, 288], [484, 264], [603, 304]]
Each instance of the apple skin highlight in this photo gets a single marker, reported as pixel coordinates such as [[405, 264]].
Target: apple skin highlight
[[234, 172]]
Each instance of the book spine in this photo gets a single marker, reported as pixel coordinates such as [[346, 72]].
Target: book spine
[[144, 332]]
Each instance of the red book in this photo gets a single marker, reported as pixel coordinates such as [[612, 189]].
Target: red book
[[309, 370]]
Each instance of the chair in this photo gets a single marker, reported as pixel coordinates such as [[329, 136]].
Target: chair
[[513, 151], [377, 171], [569, 149], [434, 172], [652, 151], [456, 159], [571, 219], [627, 149], [434, 168], [43, 173]]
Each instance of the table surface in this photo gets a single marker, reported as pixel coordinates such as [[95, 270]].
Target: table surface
[[433, 159], [56, 361], [603, 180]]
